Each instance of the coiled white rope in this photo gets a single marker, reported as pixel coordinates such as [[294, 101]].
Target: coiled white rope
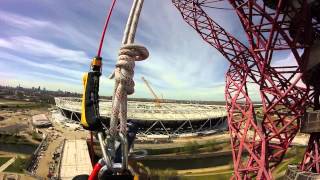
[[124, 71], [124, 84]]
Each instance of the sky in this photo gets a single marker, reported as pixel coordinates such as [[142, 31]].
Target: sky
[[51, 43]]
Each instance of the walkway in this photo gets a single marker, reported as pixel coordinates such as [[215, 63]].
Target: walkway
[[75, 159], [7, 164]]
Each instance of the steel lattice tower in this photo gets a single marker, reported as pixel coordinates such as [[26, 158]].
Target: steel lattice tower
[[271, 27]]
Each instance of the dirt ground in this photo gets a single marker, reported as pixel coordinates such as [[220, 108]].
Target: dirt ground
[[15, 120], [18, 176], [44, 162], [56, 135], [18, 121]]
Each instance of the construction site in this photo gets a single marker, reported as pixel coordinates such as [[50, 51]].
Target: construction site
[[267, 127]]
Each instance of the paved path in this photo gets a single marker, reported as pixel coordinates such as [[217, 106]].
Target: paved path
[[183, 141], [75, 159], [201, 171], [7, 164]]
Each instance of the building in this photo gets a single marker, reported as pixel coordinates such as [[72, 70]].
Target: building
[[171, 119], [40, 121]]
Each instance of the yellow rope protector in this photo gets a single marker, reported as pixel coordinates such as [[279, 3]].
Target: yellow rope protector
[[90, 116], [83, 116]]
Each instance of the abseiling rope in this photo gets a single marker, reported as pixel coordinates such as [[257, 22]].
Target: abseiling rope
[[124, 71]]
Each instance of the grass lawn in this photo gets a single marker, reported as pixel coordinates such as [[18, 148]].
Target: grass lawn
[[18, 166], [4, 160], [193, 148], [14, 139], [219, 176], [293, 156], [17, 104], [9, 101]]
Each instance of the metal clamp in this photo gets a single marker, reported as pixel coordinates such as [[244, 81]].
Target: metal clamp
[[108, 152]]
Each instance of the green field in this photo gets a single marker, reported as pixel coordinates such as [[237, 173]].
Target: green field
[[9, 101], [4, 160], [193, 148], [17, 104], [293, 156], [14, 139], [218, 176], [18, 166]]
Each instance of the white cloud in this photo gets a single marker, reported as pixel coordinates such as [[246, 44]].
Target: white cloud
[[4, 43], [21, 21], [179, 58], [27, 80], [181, 64], [76, 74], [55, 77], [38, 48], [61, 30], [289, 61]]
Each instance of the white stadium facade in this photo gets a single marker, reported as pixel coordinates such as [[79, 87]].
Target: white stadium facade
[[172, 118]]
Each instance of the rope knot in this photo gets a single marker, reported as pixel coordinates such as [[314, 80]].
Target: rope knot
[[124, 72]]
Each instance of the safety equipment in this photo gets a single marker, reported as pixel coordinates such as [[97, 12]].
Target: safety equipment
[[114, 164], [90, 117]]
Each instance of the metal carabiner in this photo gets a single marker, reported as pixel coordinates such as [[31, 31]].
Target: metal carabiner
[[106, 154], [124, 150], [109, 154]]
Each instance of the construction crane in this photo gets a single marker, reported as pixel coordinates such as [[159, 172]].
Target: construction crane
[[156, 98]]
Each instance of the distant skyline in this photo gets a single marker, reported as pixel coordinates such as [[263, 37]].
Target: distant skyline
[[51, 43], [40, 88]]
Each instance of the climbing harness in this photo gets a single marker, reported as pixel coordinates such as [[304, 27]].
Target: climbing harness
[[116, 140]]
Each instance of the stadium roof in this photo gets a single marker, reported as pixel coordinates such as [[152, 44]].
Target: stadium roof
[[149, 111]]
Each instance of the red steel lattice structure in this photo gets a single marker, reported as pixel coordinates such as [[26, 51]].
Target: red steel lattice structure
[[311, 160], [269, 31]]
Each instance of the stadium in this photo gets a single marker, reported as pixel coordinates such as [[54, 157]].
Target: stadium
[[172, 118]]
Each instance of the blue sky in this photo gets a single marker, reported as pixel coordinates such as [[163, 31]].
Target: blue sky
[[50, 44]]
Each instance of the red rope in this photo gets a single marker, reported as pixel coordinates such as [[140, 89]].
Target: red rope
[[99, 55], [91, 148], [105, 28]]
